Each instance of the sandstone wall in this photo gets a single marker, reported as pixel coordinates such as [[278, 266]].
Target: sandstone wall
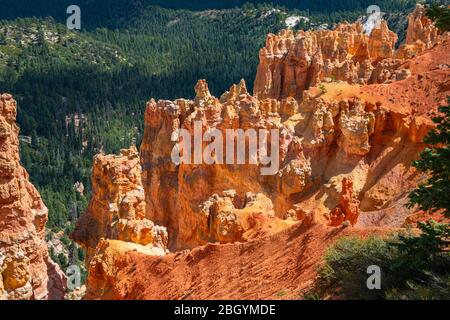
[[367, 132], [117, 208], [291, 63], [26, 270], [351, 115]]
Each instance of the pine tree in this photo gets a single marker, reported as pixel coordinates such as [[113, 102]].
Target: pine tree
[[433, 195], [441, 15]]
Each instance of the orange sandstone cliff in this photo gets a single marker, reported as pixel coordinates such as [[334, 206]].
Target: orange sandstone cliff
[[291, 63], [352, 113], [26, 270], [117, 208]]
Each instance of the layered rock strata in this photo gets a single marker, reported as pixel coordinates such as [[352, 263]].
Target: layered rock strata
[[291, 63], [331, 129], [350, 115], [26, 270], [117, 208]]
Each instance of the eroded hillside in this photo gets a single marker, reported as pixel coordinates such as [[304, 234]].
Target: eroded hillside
[[351, 111], [26, 270]]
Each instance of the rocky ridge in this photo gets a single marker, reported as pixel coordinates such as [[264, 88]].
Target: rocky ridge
[[117, 208], [26, 270], [351, 112], [292, 63]]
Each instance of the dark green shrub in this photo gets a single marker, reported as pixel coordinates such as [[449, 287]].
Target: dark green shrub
[[413, 267]]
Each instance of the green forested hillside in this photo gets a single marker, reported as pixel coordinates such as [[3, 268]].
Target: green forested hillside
[[104, 77], [111, 12], [83, 92]]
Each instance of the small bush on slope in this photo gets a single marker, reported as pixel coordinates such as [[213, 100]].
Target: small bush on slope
[[413, 267], [441, 14]]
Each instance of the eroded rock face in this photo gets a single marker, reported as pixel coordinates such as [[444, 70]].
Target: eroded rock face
[[421, 34], [421, 28], [109, 259], [333, 128], [331, 131], [117, 208], [295, 176], [231, 218], [292, 63], [382, 42], [356, 127], [190, 185], [26, 270], [349, 133], [348, 207], [350, 114]]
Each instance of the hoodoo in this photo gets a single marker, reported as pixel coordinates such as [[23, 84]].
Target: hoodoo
[[352, 113], [26, 270]]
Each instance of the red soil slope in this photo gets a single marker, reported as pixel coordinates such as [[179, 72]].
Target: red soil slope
[[275, 267]]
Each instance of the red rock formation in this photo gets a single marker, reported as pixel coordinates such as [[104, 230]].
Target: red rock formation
[[233, 219], [26, 270], [117, 208], [294, 177], [282, 266], [189, 186], [421, 34], [363, 133], [292, 63], [421, 28], [350, 131], [382, 42], [348, 207], [110, 257], [345, 151]]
